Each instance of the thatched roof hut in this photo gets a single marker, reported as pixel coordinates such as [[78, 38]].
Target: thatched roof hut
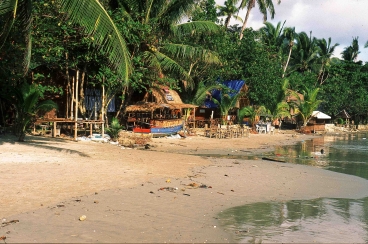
[[159, 98]]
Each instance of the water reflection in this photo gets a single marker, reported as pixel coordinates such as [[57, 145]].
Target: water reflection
[[346, 153], [318, 220]]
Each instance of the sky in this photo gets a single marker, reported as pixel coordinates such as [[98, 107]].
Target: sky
[[339, 19]]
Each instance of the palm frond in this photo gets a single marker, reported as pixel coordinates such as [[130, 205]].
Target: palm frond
[[195, 27], [168, 64], [97, 23], [178, 9], [46, 106], [202, 92], [152, 61], [190, 52], [8, 9]]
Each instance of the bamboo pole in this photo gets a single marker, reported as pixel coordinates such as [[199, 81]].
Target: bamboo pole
[[76, 107], [67, 86], [72, 99], [103, 111]]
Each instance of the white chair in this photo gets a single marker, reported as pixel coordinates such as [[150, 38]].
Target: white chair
[[260, 129]]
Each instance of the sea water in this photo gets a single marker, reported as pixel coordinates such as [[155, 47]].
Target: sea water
[[322, 220]]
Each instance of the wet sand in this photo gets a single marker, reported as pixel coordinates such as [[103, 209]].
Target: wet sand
[[162, 194]]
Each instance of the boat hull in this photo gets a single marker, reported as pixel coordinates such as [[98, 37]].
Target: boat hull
[[160, 131]]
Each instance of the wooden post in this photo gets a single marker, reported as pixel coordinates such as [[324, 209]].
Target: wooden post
[[90, 129], [54, 130], [194, 119], [72, 100], [103, 111], [76, 107]]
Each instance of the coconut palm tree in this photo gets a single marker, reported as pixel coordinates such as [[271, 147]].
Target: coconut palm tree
[[90, 14], [308, 104], [306, 52], [253, 113], [229, 10], [264, 6], [272, 35], [282, 108], [289, 35], [226, 102], [351, 52], [325, 52], [164, 19]]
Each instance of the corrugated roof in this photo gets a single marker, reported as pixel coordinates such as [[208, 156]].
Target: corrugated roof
[[320, 115], [234, 85]]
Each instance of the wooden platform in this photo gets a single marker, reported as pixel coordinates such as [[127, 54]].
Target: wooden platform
[[55, 121]]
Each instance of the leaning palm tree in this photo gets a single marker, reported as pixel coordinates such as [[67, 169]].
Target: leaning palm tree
[[264, 6], [289, 35], [326, 51], [230, 11], [90, 14]]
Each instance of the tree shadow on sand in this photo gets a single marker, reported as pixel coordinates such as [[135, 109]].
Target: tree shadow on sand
[[41, 142]]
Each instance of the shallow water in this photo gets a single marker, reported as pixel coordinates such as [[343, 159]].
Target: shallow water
[[321, 220], [318, 220]]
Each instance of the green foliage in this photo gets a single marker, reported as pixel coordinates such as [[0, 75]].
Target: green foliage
[[253, 113], [226, 103], [308, 104], [114, 129], [27, 104]]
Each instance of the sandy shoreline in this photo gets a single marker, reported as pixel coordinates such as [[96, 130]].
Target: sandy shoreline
[[130, 195]]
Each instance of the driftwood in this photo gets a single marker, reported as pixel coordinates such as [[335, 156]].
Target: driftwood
[[274, 160]]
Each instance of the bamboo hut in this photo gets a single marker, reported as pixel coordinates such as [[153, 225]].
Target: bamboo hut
[[161, 109]]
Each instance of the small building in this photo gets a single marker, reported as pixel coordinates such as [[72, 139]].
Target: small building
[[209, 110], [318, 122]]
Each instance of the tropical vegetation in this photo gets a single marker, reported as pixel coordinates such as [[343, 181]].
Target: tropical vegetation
[[128, 47]]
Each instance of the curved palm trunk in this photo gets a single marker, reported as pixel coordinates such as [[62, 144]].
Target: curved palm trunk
[[227, 21], [287, 62], [245, 21]]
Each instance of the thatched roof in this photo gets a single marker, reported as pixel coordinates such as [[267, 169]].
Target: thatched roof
[[343, 114], [159, 98]]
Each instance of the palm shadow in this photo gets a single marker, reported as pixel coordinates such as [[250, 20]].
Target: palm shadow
[[40, 142]]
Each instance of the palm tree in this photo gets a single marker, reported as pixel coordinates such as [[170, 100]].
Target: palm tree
[[26, 104], [289, 35], [306, 52], [226, 102], [272, 35], [229, 10], [90, 14], [164, 18], [308, 104], [253, 113], [282, 108], [263, 5], [325, 53], [351, 52]]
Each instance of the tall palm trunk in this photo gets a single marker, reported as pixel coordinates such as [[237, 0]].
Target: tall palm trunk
[[287, 62], [250, 6]]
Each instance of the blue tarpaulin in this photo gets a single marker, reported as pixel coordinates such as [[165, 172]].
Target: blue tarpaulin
[[234, 86]]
